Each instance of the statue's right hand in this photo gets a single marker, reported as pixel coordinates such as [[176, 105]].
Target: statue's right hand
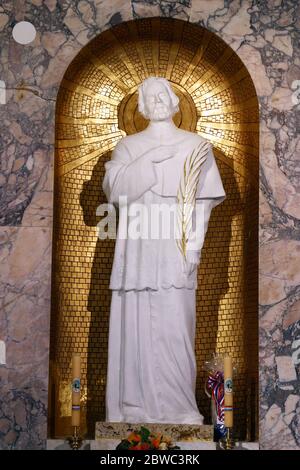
[[162, 153]]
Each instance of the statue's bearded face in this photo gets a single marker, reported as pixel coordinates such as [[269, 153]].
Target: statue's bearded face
[[158, 103]]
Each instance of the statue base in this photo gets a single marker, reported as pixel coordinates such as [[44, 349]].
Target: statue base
[[178, 432]]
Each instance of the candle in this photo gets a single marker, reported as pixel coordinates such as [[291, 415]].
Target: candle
[[76, 390], [228, 395]]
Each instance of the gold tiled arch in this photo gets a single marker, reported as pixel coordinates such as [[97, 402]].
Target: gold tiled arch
[[96, 106]]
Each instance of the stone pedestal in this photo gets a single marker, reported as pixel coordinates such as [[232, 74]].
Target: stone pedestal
[[178, 432], [186, 436], [111, 444]]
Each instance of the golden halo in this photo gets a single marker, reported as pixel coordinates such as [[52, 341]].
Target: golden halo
[[97, 102]]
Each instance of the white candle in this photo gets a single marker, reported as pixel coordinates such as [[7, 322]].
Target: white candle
[[228, 394], [76, 390]]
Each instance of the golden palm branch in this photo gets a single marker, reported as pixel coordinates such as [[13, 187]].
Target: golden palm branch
[[186, 194]]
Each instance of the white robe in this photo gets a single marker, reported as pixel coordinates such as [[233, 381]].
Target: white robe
[[151, 361]]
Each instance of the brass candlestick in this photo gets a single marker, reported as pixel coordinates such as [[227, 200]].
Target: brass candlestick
[[75, 441], [227, 442]]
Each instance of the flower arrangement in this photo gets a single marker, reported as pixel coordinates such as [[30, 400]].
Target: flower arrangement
[[143, 439]]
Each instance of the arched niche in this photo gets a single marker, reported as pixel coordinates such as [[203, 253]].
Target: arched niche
[[96, 106]]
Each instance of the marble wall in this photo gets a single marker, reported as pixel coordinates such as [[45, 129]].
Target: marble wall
[[265, 34]]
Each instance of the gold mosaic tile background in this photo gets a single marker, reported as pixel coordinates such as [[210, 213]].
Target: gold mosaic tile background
[[97, 105]]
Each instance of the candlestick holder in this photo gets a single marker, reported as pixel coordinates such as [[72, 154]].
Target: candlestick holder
[[75, 441], [227, 442]]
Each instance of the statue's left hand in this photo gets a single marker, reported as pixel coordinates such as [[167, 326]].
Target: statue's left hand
[[190, 268], [192, 261]]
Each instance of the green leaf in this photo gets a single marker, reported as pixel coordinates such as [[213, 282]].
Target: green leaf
[[145, 433], [124, 445]]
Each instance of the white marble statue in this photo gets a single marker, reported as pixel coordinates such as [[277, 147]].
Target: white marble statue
[[151, 360]]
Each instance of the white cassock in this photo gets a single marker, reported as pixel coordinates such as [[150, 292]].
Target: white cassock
[[151, 360]]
